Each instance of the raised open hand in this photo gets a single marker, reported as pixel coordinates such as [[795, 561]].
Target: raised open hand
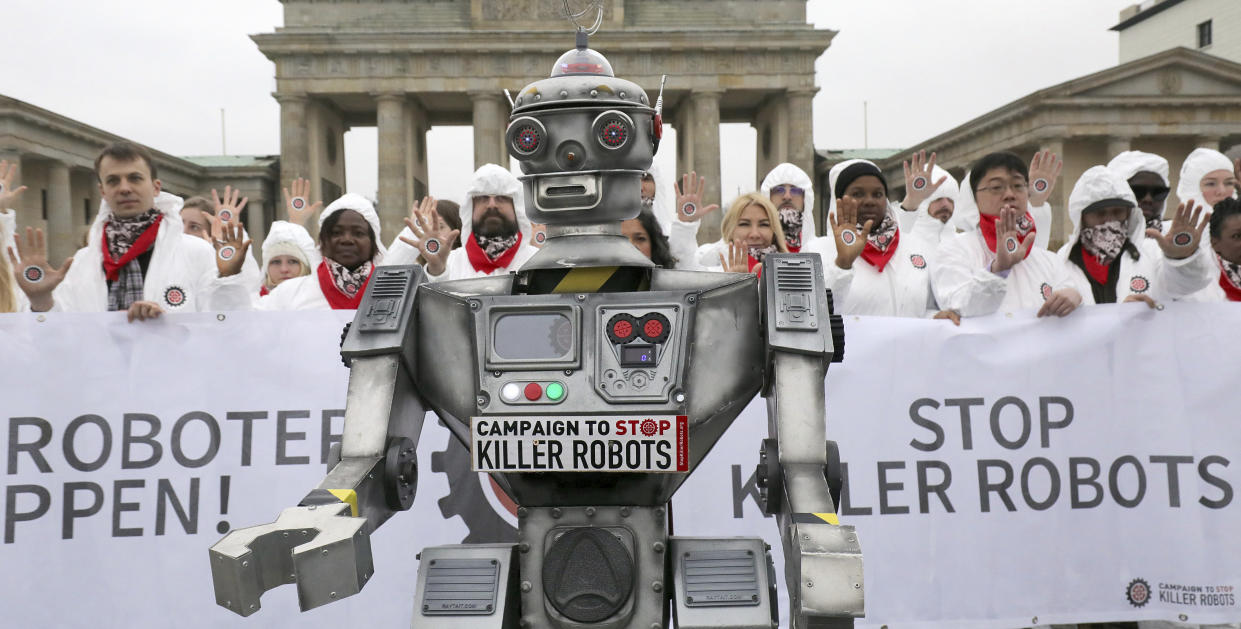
[[432, 235], [919, 183], [850, 240], [1184, 234], [7, 192], [738, 258], [1044, 171], [1010, 247], [228, 209], [230, 247], [34, 276], [689, 198], [297, 206]]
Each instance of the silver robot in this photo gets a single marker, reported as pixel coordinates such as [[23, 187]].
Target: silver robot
[[594, 385]]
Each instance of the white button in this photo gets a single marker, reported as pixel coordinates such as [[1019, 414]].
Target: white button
[[511, 392]]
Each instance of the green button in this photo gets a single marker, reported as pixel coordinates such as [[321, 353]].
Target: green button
[[555, 391]]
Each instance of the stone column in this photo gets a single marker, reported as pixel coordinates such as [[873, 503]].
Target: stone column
[[416, 151], [294, 141], [801, 128], [490, 122], [1060, 225], [256, 226], [60, 224], [393, 201], [1208, 142], [771, 126], [705, 135], [1116, 146]]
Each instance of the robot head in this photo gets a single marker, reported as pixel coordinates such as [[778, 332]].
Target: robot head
[[584, 138]]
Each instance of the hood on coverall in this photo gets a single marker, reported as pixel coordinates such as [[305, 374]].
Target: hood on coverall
[[361, 205], [1100, 183], [1196, 166], [789, 174], [492, 179], [1129, 163]]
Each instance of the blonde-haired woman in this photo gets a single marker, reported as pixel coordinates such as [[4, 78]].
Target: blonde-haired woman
[[751, 227], [12, 299]]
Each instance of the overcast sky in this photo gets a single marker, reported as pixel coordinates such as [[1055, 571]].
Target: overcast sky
[[159, 72]]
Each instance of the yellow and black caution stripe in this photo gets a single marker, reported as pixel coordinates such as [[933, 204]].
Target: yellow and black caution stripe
[[318, 497], [595, 279], [816, 518]]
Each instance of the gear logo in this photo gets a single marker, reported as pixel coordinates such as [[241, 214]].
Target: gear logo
[[1138, 592], [33, 274], [649, 427], [1182, 239], [1139, 284], [298, 203], [488, 512], [918, 261], [1041, 185], [432, 246], [174, 296], [919, 183]]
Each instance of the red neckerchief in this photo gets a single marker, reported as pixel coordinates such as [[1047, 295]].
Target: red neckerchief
[[479, 260], [879, 259], [112, 268], [335, 298], [263, 292], [1097, 270], [986, 224], [794, 249]]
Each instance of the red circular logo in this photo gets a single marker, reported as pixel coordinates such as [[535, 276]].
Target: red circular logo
[[689, 209], [918, 261], [848, 237], [622, 329], [649, 427], [1182, 239], [919, 183], [653, 328], [540, 237], [227, 253], [614, 134], [1046, 290], [527, 139], [1139, 284], [1040, 185], [226, 216], [298, 203], [33, 274], [433, 246], [174, 296]]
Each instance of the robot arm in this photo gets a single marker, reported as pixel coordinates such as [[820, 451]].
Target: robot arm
[[323, 544], [822, 559]]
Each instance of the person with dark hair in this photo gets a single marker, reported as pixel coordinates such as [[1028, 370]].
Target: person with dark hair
[[1226, 242], [1147, 175], [645, 234], [1041, 177], [872, 266], [138, 258], [1110, 257], [196, 216], [997, 267], [349, 240]]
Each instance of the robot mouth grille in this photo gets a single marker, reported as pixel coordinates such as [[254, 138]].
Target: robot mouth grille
[[565, 191]]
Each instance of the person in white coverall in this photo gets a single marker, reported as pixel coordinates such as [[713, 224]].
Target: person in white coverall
[[1207, 177], [1147, 176], [996, 266], [288, 252], [351, 247], [871, 265], [787, 187], [1042, 175], [137, 258], [495, 233], [1109, 257]]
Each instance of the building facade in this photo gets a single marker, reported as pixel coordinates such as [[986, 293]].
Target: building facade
[[407, 65], [1210, 26], [56, 163]]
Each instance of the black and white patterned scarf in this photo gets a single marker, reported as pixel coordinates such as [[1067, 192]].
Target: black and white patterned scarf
[[121, 234], [881, 236], [791, 220], [1230, 271], [1104, 241], [346, 281], [1155, 222], [495, 246]]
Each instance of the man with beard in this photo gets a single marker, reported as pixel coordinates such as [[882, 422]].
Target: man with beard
[[495, 233], [138, 258], [349, 239]]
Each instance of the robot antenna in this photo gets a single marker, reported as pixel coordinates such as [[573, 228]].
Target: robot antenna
[[574, 16]]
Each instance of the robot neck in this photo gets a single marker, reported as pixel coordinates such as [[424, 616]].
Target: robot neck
[[584, 246]]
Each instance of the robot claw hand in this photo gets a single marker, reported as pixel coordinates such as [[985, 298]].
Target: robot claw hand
[[321, 548]]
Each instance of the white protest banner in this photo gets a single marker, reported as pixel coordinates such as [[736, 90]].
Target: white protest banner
[[1003, 471]]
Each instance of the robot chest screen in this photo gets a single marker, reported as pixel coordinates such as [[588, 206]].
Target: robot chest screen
[[589, 382]]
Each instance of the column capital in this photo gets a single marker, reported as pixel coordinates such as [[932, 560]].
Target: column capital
[[711, 92], [1208, 142], [389, 97], [803, 91], [290, 97], [477, 95]]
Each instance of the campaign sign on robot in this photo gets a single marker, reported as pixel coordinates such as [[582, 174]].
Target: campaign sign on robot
[[639, 443]]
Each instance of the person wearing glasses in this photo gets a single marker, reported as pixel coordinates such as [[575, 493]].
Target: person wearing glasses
[[1147, 175], [996, 266], [1112, 256]]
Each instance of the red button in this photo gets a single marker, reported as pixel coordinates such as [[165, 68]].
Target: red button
[[622, 329], [653, 328], [533, 391]]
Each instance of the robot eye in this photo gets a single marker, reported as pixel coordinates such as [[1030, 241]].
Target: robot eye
[[526, 137], [613, 129]]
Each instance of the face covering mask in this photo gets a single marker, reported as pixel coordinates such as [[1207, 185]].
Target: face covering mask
[[1105, 241]]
